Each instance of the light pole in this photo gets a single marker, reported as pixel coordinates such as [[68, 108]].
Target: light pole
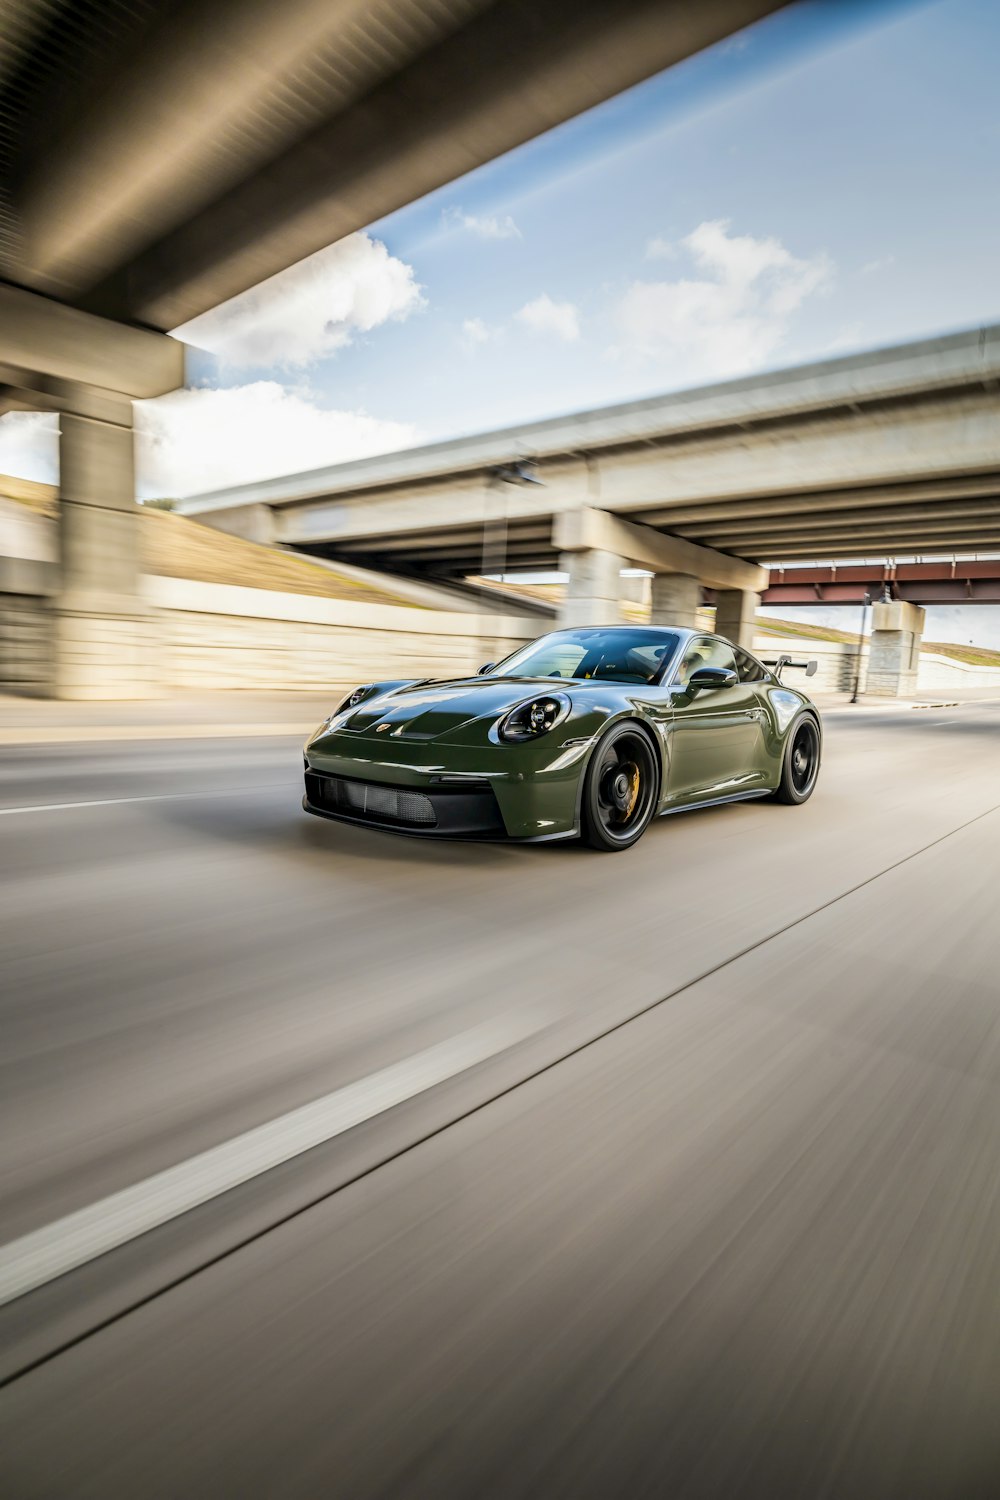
[[861, 647], [521, 471]]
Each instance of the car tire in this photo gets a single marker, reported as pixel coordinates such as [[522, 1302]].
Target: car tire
[[620, 788], [800, 764]]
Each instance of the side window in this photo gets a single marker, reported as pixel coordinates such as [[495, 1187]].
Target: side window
[[749, 667], [648, 659], [705, 651]]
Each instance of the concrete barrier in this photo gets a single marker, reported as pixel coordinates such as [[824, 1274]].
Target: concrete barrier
[[945, 672], [838, 665], [213, 637], [837, 661]]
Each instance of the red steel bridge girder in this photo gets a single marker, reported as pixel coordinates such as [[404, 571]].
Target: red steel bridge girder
[[958, 582]]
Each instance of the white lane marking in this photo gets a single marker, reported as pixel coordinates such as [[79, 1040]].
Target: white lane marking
[[91, 734], [241, 791], [66, 1243]]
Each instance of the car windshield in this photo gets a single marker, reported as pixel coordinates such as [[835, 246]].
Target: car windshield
[[616, 654]]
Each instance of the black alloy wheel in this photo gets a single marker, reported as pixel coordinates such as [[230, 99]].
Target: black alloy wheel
[[620, 790], [801, 763]]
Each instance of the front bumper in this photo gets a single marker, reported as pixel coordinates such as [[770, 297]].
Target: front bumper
[[467, 811], [528, 791]]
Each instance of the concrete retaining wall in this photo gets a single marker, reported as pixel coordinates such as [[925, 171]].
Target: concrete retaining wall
[[215, 637], [26, 624], [944, 671], [838, 664], [203, 637], [25, 645]]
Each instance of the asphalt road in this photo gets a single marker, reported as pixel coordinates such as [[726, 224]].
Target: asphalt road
[[674, 1173]]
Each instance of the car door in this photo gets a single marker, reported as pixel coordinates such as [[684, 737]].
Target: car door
[[715, 736]]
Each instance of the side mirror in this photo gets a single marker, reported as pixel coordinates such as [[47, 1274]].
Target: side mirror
[[488, 668], [713, 678]]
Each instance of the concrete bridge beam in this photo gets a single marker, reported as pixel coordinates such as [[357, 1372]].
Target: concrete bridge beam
[[50, 351], [643, 547], [680, 570]]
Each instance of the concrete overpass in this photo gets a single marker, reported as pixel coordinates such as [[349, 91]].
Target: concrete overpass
[[159, 158], [895, 451]]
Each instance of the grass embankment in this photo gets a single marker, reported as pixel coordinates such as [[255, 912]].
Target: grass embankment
[[175, 546]]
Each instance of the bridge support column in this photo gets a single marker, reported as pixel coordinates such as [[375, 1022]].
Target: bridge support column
[[736, 615], [102, 646], [593, 588], [674, 600], [894, 658], [89, 370]]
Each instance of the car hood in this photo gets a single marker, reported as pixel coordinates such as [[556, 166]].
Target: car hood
[[428, 710]]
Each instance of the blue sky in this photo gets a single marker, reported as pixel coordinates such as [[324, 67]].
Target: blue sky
[[866, 134], [825, 181]]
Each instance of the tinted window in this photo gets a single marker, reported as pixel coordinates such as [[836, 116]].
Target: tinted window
[[614, 654], [704, 651], [749, 667], [551, 657]]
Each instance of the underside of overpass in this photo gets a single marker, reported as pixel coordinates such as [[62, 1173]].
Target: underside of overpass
[[962, 514], [158, 157]]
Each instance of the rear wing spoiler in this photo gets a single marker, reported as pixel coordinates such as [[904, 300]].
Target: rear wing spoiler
[[781, 662]]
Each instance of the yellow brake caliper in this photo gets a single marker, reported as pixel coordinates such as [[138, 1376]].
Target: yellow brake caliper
[[633, 791]]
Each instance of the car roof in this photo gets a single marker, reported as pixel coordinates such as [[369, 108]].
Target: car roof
[[635, 625], [684, 631]]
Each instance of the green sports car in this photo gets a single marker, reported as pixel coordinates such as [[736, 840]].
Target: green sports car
[[590, 732]]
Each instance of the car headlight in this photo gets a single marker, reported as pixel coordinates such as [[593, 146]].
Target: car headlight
[[351, 701], [529, 720]]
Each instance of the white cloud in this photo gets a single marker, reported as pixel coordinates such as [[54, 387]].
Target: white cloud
[[545, 316], [727, 321], [475, 331], [204, 439], [881, 264], [660, 249], [311, 310], [29, 446], [486, 226], [201, 439], [741, 261]]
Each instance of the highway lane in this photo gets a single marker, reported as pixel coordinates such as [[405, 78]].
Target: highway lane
[[181, 970], [745, 1244]]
